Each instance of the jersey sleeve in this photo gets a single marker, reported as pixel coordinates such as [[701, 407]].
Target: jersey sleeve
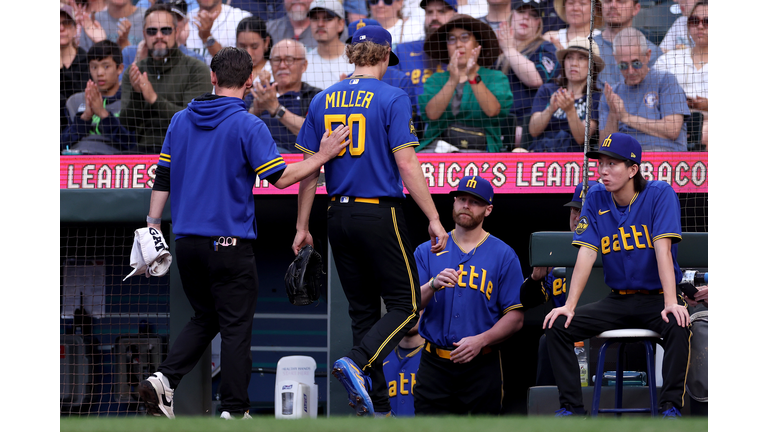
[[402, 132], [421, 255], [509, 283], [307, 141], [666, 214], [541, 100], [262, 153], [586, 233], [546, 62]]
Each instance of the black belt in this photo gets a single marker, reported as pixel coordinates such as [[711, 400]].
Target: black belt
[[445, 353], [343, 199], [627, 292]]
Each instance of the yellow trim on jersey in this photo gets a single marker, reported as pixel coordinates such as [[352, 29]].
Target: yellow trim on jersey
[[165, 157], [511, 308], [406, 145], [629, 207], [305, 150], [261, 168], [668, 235], [579, 243], [413, 295], [413, 353], [279, 162], [487, 234]]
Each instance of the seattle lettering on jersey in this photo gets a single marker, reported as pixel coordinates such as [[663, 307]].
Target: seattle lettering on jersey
[[471, 277], [635, 238], [405, 389], [338, 99]]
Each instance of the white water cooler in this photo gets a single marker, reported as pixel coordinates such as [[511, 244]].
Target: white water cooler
[[295, 388]]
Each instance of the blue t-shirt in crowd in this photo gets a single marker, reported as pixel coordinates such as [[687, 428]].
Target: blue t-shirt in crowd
[[546, 64], [656, 97], [557, 137]]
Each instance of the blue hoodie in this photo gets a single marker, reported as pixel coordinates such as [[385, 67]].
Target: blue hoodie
[[217, 149]]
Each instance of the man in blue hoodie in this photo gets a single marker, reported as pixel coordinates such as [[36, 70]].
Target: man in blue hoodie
[[212, 153]]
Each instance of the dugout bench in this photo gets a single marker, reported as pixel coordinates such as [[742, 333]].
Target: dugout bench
[[554, 249]]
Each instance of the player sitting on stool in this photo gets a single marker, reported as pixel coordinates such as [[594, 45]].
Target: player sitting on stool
[[635, 225], [471, 293]]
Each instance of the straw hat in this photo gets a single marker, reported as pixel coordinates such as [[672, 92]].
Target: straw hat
[[581, 45]]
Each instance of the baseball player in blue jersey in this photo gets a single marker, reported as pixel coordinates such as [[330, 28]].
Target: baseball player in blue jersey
[[366, 224], [211, 155], [471, 297], [400, 368], [635, 225], [543, 285]]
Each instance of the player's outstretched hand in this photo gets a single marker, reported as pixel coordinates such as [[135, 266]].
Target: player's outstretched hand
[[467, 349], [556, 312], [437, 235], [302, 238], [679, 312], [333, 143]]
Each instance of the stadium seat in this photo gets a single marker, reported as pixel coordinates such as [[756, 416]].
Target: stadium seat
[[624, 336], [694, 123]]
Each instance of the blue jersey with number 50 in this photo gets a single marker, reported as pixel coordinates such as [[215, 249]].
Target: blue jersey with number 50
[[379, 118]]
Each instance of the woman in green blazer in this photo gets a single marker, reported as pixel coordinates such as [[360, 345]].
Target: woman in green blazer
[[464, 105]]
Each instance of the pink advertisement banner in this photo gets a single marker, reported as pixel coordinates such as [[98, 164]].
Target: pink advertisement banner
[[510, 173]]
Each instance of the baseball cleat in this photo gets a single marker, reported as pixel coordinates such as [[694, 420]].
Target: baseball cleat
[[157, 395], [357, 384], [670, 412], [227, 416], [388, 414]]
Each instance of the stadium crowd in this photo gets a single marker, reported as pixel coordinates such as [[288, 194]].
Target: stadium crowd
[[482, 76]]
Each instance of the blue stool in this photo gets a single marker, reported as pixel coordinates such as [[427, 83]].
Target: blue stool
[[622, 337]]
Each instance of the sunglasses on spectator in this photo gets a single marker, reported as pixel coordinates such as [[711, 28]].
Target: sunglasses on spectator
[[464, 38], [375, 2], [289, 61], [636, 64], [151, 31], [325, 18], [694, 21]]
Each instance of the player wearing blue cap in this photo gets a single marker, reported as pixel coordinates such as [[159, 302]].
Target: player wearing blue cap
[[635, 225], [543, 285], [366, 224], [471, 297]]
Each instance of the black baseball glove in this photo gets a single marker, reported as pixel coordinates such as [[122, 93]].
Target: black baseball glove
[[305, 277]]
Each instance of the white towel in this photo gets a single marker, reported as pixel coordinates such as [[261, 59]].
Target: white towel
[[150, 254]]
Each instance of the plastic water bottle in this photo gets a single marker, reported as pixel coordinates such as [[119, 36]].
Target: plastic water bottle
[[581, 355]]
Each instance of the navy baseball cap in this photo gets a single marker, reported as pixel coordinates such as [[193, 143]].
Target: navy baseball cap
[[477, 186], [619, 146], [578, 194], [533, 4], [378, 35], [452, 3], [358, 24]]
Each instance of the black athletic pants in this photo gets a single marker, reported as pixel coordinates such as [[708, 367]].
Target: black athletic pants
[[221, 286], [375, 261], [447, 388], [615, 312]]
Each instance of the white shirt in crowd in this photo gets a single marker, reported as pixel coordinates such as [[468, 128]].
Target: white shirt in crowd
[[474, 8], [408, 31], [322, 73], [224, 30], [677, 35], [679, 63]]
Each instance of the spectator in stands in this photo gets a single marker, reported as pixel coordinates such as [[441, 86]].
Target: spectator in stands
[[649, 104], [154, 89], [356, 10], [474, 8], [462, 107], [617, 15], [216, 25], [284, 114], [677, 36], [690, 65], [499, 11], [253, 37], [528, 61], [389, 14], [73, 62], [137, 53], [294, 25], [84, 7], [120, 23], [328, 62], [264, 9], [577, 13], [94, 124], [191, 4], [559, 112], [414, 61]]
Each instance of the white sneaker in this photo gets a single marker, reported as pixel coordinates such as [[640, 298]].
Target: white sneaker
[[157, 395], [227, 416]]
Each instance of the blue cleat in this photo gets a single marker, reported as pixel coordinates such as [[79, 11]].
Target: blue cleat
[[562, 412], [357, 384], [671, 413], [570, 411]]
